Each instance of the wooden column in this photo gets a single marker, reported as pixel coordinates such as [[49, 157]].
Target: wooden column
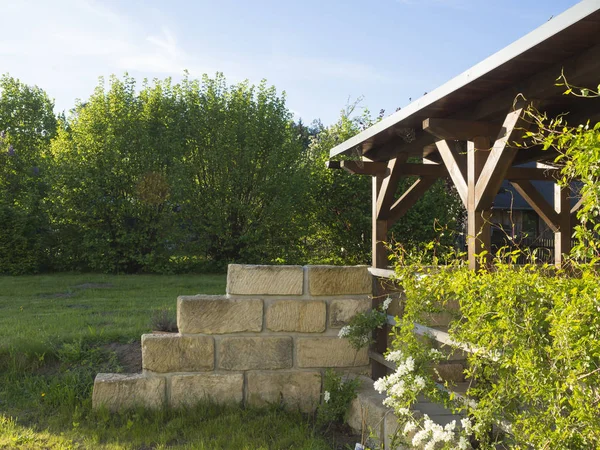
[[562, 236], [379, 228], [478, 220]]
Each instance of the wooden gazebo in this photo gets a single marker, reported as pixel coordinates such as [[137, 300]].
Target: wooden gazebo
[[484, 108]]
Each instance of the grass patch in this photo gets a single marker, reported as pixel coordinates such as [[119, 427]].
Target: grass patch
[[58, 331]]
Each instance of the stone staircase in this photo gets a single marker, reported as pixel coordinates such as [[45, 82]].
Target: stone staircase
[[268, 340]]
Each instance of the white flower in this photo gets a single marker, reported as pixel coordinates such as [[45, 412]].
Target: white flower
[[380, 385], [402, 411], [419, 437], [345, 331], [386, 303], [450, 426], [467, 425], [326, 396], [398, 389], [394, 356], [410, 363], [410, 426], [463, 444], [419, 382]]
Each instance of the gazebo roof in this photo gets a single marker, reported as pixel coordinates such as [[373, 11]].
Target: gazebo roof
[[569, 42]]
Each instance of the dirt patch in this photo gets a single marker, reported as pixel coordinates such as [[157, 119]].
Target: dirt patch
[[94, 286], [342, 436], [129, 356]]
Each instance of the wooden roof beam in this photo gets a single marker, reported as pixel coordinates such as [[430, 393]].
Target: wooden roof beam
[[385, 197], [460, 130], [359, 167]]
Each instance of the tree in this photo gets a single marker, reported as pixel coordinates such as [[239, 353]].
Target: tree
[[198, 169], [27, 124]]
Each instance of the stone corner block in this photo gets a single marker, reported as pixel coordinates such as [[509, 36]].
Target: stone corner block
[[303, 316], [339, 280], [176, 353], [222, 388], [127, 391], [296, 390], [341, 311], [328, 352], [255, 353], [245, 279], [217, 314], [367, 414]]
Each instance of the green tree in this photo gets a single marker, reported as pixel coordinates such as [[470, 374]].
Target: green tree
[[196, 170], [27, 124]]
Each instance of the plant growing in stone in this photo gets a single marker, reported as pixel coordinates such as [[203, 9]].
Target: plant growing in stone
[[359, 330], [163, 319], [338, 393]]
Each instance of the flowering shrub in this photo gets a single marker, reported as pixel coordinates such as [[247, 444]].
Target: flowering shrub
[[359, 330]]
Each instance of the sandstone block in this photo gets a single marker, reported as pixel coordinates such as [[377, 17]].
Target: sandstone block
[[216, 314], [341, 311], [367, 413], [329, 352], [126, 391], [339, 280], [175, 353], [296, 390], [297, 315], [189, 390], [244, 279], [255, 353]]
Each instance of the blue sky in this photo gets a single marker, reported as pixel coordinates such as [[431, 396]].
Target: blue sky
[[322, 53]]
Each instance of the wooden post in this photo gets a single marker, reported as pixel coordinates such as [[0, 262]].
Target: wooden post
[[562, 237], [379, 228], [478, 220]]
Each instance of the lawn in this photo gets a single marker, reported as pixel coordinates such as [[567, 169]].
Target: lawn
[[58, 331]]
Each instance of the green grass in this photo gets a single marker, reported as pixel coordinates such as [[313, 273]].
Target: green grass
[[53, 335]]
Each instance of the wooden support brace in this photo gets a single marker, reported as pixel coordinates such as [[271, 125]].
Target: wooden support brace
[[451, 161], [389, 186], [409, 198], [499, 160], [537, 202]]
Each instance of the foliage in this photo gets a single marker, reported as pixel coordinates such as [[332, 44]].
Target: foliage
[[360, 328], [338, 393], [27, 124], [578, 147], [198, 168]]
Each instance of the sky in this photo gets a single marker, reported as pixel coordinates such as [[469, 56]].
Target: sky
[[325, 54]]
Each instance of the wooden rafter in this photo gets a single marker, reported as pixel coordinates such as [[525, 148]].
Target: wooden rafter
[[359, 167], [532, 173], [460, 130], [409, 198], [500, 159], [453, 166], [537, 202]]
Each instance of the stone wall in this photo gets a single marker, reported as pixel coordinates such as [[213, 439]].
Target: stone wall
[[268, 340]]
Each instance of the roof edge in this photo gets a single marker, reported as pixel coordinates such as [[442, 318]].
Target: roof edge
[[530, 40]]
